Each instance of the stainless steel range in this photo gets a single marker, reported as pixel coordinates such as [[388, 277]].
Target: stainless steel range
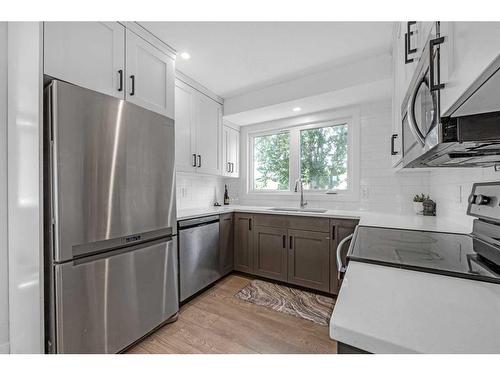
[[475, 256], [111, 247]]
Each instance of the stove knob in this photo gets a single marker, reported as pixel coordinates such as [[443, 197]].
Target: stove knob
[[479, 199]]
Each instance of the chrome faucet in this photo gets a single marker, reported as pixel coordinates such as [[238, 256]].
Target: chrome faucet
[[298, 184]]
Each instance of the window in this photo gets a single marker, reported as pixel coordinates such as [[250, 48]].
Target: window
[[323, 158], [271, 162], [320, 154]]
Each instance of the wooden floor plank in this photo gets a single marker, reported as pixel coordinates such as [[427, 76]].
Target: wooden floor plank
[[217, 322]]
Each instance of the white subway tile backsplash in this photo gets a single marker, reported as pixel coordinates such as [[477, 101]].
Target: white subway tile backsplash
[[202, 191]]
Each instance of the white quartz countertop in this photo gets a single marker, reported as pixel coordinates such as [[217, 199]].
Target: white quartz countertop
[[367, 218], [389, 310]]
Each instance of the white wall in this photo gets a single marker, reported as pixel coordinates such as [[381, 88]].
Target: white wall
[[201, 191], [24, 187], [4, 286], [450, 188], [381, 188]]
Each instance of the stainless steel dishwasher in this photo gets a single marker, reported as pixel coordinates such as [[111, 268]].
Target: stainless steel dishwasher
[[198, 254]]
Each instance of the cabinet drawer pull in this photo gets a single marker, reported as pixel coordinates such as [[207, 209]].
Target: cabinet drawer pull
[[132, 78], [120, 80]]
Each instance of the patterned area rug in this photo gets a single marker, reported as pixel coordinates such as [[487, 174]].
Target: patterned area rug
[[305, 305]]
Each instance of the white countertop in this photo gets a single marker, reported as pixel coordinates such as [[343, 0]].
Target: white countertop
[[390, 310], [367, 218]]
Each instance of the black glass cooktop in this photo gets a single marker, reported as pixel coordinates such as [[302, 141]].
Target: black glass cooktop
[[434, 252]]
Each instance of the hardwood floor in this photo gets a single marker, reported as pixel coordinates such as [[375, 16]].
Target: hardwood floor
[[216, 322]]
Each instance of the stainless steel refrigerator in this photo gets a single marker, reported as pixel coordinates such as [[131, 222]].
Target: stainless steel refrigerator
[[110, 216]]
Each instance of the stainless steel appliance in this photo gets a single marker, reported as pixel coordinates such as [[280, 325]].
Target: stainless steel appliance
[[468, 135], [198, 254], [111, 247], [473, 256]]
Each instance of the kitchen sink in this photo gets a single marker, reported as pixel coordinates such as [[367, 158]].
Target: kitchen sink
[[291, 209]]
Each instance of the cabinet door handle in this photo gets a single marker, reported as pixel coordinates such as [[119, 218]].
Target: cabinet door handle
[[249, 224], [435, 86], [232, 167], [393, 138], [284, 241], [120, 80], [409, 24], [407, 41], [199, 161], [194, 160], [333, 232], [132, 78], [291, 242]]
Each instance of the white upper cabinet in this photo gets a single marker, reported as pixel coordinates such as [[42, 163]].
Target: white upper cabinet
[[198, 128], [108, 58], [150, 76], [209, 121], [230, 151], [468, 48], [88, 54], [185, 132]]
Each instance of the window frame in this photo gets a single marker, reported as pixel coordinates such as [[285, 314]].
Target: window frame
[[351, 120], [251, 161]]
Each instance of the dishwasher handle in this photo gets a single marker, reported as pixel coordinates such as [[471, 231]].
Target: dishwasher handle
[[198, 222]]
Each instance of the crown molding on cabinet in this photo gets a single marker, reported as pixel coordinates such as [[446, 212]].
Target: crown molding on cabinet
[[197, 86], [144, 33]]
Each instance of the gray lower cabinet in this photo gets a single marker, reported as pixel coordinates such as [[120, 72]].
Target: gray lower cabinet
[[226, 244], [308, 259], [243, 242], [296, 249], [270, 252], [339, 229]]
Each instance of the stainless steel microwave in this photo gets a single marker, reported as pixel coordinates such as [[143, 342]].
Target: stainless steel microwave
[[420, 112], [469, 134]]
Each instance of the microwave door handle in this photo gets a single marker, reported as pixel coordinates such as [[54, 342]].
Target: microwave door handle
[[411, 115]]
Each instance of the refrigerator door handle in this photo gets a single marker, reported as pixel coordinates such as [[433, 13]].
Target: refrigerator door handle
[[127, 249]]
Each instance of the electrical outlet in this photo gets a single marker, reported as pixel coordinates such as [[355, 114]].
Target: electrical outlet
[[365, 192]]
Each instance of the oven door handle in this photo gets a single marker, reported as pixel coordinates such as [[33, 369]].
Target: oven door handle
[[340, 267], [411, 114]]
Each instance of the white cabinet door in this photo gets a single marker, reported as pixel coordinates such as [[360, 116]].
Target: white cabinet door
[[399, 87], [234, 152], [150, 76], [185, 152], [468, 48], [88, 54], [226, 153], [230, 151], [208, 133]]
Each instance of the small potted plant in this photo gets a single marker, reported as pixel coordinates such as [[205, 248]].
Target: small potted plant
[[418, 200]]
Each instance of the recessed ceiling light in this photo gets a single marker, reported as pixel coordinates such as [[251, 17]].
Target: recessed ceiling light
[[296, 109], [185, 55]]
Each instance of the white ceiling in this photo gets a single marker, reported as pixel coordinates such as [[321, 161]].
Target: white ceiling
[[369, 92], [231, 58]]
